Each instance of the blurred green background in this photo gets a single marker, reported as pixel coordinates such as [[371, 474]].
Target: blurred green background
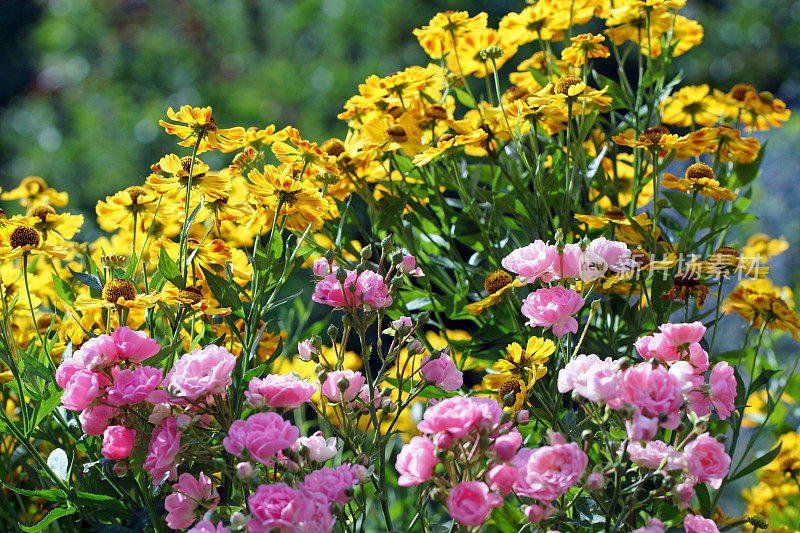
[[85, 82]]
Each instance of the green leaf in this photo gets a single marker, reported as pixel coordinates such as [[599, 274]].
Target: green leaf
[[225, 294], [55, 514], [745, 173], [51, 400], [63, 290], [169, 268], [90, 280], [701, 491], [465, 98], [757, 463], [162, 354]]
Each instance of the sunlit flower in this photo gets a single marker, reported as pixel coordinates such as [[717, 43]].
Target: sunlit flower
[[278, 190], [448, 144], [584, 46], [691, 105], [539, 21], [25, 240], [173, 177], [33, 190], [762, 246], [305, 152], [467, 58], [196, 122], [496, 284], [654, 138], [47, 222], [687, 284], [759, 301], [436, 38], [118, 211], [118, 293], [699, 178]]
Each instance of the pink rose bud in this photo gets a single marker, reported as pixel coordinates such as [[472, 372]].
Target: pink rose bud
[[442, 441], [117, 442], [323, 268], [534, 513], [470, 503], [352, 382], [160, 413], [402, 321], [595, 481], [556, 438], [244, 470], [523, 416], [305, 350]]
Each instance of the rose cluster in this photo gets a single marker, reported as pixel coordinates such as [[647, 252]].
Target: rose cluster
[[470, 435]]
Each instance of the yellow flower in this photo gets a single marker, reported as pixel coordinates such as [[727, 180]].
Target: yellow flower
[[300, 204], [496, 284], [45, 220], [172, 177], [504, 385], [732, 147], [257, 138], [448, 144], [198, 121], [700, 183], [654, 138], [25, 240], [528, 363], [209, 254], [195, 299], [118, 293], [118, 210], [33, 190], [691, 105], [572, 90], [543, 20], [755, 412], [467, 58], [762, 246], [436, 38], [759, 301], [583, 47], [616, 217], [687, 284], [405, 83], [305, 152], [726, 261]]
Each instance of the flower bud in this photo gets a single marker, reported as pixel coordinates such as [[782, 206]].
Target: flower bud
[[505, 418], [491, 52], [341, 275], [244, 470], [343, 383], [424, 317], [238, 519], [366, 252], [757, 521], [386, 244], [333, 332], [522, 416], [596, 305]]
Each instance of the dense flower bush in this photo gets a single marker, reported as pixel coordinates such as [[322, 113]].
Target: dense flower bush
[[478, 310]]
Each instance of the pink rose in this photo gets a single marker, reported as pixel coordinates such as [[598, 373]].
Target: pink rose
[[502, 478], [190, 499], [132, 386], [698, 524], [262, 434], [681, 335], [653, 454], [653, 390], [593, 378], [134, 345], [95, 419], [684, 493], [368, 290], [531, 262], [569, 263], [456, 416], [506, 446], [277, 506], [278, 391], [164, 446], [442, 372], [553, 307], [653, 526], [81, 390], [207, 526], [332, 483], [615, 255], [535, 513], [723, 389], [350, 381], [98, 351], [470, 503], [550, 471], [402, 321], [117, 442], [416, 462], [200, 373], [320, 519], [319, 448], [595, 481], [706, 460]]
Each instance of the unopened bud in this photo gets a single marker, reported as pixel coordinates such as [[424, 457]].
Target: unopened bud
[[341, 275], [244, 470], [505, 418], [387, 244], [328, 178], [491, 52], [596, 305], [757, 521], [343, 383], [366, 252], [662, 203], [238, 519], [333, 332], [509, 399], [423, 318], [397, 257]]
